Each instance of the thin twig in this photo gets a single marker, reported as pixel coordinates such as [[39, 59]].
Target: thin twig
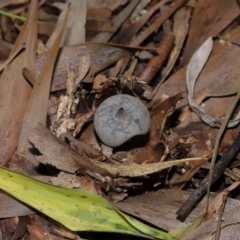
[[156, 62], [201, 190]]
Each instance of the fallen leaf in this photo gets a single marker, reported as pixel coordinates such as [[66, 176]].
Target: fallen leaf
[[14, 99], [39, 96], [215, 16]]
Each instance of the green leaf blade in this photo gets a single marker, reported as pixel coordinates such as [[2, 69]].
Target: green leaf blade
[[75, 209]]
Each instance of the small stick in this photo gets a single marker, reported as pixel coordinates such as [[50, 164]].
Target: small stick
[[202, 189], [156, 62]]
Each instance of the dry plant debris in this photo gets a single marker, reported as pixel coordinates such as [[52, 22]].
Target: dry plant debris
[[179, 58]]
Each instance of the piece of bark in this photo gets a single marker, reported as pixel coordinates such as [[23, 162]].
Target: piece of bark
[[83, 148]]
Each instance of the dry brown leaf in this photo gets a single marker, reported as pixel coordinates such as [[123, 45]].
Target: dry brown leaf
[[15, 90], [208, 20], [75, 29], [82, 70], [24, 40], [4, 3], [148, 31], [139, 170], [152, 151], [225, 89], [88, 137], [98, 20], [160, 207], [178, 181], [38, 103], [216, 203], [116, 23], [194, 68], [10, 207], [109, 4], [208, 229], [180, 29], [126, 34], [63, 157], [59, 154], [100, 56]]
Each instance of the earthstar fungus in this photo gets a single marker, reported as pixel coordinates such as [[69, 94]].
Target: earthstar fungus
[[119, 118]]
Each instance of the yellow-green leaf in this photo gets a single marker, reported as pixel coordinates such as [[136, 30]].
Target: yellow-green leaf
[[77, 210]]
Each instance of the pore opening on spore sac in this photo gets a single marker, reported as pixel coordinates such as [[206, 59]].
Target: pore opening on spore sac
[[121, 114]]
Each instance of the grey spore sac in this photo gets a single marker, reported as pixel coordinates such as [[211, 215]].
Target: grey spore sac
[[119, 118]]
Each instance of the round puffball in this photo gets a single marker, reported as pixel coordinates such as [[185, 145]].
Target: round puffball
[[119, 118]]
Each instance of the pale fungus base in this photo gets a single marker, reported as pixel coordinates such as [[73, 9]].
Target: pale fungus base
[[119, 118]]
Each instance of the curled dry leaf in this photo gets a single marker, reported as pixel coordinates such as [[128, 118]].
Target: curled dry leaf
[[194, 68]]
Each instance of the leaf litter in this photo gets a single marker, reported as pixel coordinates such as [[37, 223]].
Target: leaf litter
[[174, 154]]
